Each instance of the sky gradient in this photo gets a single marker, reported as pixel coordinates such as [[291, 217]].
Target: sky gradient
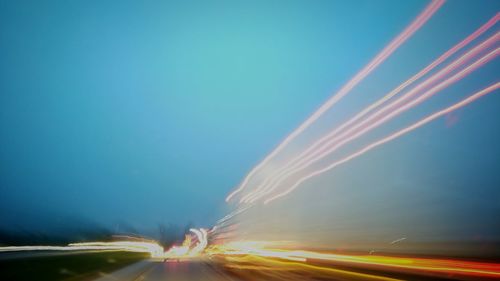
[[148, 112]]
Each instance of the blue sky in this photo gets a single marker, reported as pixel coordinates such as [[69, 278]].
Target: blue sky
[[152, 111]]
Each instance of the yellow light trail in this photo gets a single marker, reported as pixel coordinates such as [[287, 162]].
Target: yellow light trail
[[248, 251], [154, 249], [274, 266]]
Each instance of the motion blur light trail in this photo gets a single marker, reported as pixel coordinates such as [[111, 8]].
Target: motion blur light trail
[[202, 242], [458, 76], [393, 136], [351, 130], [192, 246], [286, 264], [280, 173], [259, 254], [284, 260], [319, 149], [186, 250], [279, 270], [153, 248], [380, 58]]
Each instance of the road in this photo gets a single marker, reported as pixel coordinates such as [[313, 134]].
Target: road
[[197, 270], [170, 270]]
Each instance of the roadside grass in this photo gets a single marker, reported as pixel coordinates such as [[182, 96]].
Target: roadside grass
[[71, 267]]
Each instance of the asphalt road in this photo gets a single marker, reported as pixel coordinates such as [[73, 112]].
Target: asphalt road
[[203, 270], [184, 271], [193, 270]]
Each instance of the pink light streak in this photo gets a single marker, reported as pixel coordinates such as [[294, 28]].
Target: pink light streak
[[421, 19], [389, 138], [290, 164], [385, 113]]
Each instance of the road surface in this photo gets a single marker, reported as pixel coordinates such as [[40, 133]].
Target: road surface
[[152, 270], [205, 270]]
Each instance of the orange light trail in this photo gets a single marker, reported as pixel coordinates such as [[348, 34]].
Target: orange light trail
[[381, 57], [248, 251], [282, 270]]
